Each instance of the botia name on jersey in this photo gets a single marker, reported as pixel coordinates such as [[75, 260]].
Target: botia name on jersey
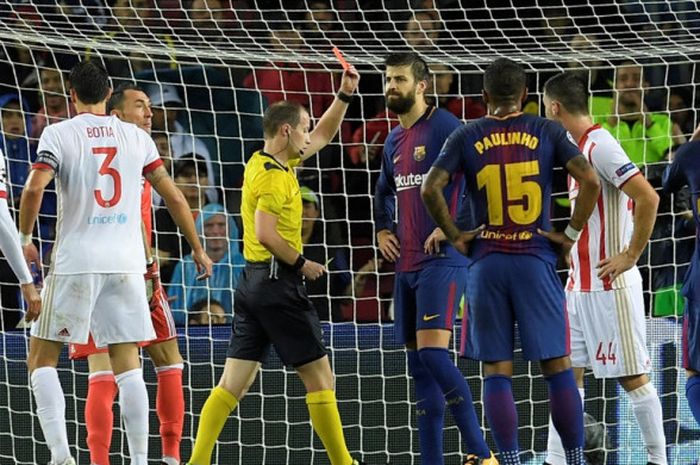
[[99, 131], [114, 218], [406, 181]]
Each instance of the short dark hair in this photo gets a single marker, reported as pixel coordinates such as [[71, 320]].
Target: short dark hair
[[190, 163], [117, 98], [90, 81], [419, 67], [279, 113], [504, 80], [570, 89]]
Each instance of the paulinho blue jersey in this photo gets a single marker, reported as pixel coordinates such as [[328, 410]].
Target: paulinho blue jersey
[[409, 154], [508, 164]]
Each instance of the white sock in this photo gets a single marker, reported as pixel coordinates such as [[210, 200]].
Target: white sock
[[133, 402], [555, 449], [51, 409], [647, 410]]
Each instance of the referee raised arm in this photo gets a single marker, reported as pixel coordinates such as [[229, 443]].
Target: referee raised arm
[[271, 305]]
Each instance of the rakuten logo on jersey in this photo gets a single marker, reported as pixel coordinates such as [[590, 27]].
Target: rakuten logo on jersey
[[408, 181], [114, 218]]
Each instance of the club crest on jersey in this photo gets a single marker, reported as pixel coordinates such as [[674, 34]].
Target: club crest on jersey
[[419, 153]]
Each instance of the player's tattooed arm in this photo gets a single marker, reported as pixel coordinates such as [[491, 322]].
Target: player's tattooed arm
[[581, 170], [156, 176], [434, 200]]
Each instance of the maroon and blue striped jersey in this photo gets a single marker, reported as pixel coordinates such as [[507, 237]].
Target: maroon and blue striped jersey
[[685, 170], [408, 155], [508, 165]]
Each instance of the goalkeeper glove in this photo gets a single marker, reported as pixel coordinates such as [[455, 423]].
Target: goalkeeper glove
[[152, 278]]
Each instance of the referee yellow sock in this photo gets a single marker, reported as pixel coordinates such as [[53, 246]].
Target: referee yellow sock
[[325, 419], [214, 414]]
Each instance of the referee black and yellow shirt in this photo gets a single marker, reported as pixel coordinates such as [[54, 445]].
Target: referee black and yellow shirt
[[271, 187]]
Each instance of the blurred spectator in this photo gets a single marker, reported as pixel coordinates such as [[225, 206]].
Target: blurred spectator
[[373, 286], [305, 83], [592, 71], [681, 108], [223, 114], [133, 21], [162, 141], [20, 153], [206, 17], [646, 137], [368, 139], [84, 14], [190, 177], [464, 108], [56, 104], [423, 31], [322, 244], [365, 161], [320, 18], [18, 62], [221, 242], [313, 87], [322, 28], [18, 70], [556, 25], [166, 105], [207, 312]]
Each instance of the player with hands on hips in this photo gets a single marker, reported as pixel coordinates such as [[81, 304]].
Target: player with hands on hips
[[604, 296], [507, 159]]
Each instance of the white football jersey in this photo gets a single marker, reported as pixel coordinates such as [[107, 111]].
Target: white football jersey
[[3, 176], [609, 229], [99, 162]]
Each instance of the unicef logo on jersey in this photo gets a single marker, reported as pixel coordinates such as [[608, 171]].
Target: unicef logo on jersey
[[114, 218]]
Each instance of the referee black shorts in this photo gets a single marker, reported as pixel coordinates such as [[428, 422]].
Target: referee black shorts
[[271, 307]]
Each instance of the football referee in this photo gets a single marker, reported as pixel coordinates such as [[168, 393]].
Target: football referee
[[271, 305]]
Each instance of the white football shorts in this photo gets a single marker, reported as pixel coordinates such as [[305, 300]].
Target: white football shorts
[[113, 307], [608, 332]]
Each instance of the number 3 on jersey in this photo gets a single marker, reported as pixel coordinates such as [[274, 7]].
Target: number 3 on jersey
[[106, 170], [527, 193]]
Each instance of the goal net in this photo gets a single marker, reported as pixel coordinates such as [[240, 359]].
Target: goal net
[[211, 67]]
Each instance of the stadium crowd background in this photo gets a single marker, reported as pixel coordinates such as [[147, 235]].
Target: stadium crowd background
[[207, 118]]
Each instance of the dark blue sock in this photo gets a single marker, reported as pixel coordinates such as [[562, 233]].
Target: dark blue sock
[[458, 397], [499, 406], [692, 392], [430, 411], [567, 414]]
